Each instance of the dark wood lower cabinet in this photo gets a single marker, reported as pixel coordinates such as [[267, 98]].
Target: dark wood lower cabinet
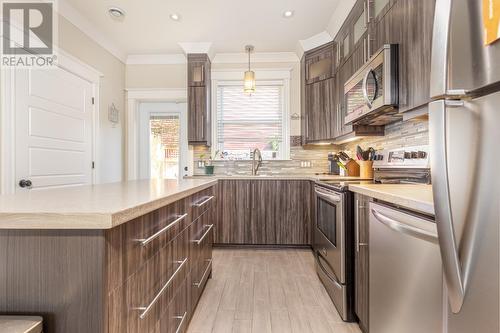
[[264, 212], [113, 281], [361, 216]]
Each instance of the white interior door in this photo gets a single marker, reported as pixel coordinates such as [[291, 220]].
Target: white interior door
[[53, 128], [163, 146]]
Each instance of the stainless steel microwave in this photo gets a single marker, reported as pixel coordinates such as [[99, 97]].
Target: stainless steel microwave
[[372, 93]]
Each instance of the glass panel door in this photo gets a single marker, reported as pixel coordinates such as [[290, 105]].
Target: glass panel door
[[164, 146]]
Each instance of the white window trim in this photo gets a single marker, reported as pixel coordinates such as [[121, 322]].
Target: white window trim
[[267, 76]]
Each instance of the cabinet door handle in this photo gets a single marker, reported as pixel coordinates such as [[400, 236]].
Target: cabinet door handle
[[365, 58], [198, 284], [182, 318], [203, 202], [146, 241], [145, 310], [199, 241], [356, 221]]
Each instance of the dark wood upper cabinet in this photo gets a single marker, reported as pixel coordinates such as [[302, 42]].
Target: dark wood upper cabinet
[[198, 70], [320, 63], [369, 25], [320, 110], [407, 23], [199, 99]]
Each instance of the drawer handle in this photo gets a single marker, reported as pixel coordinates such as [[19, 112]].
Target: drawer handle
[[146, 309], [199, 241], [182, 318], [146, 241], [199, 204], [198, 284]]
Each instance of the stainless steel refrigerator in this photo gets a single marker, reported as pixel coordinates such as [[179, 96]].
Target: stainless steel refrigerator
[[464, 120]]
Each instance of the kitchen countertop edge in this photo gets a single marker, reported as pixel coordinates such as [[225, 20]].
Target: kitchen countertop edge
[[90, 220], [410, 200]]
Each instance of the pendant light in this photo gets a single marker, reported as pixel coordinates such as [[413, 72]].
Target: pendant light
[[249, 80]]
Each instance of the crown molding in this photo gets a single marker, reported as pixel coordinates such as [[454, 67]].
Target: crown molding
[[196, 47], [315, 41], [84, 25], [258, 57], [156, 59], [339, 16]]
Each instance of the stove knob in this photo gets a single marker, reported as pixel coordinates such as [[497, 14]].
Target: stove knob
[[414, 154], [407, 155], [422, 154]]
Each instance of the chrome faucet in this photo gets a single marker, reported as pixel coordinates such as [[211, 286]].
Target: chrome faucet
[[255, 168]]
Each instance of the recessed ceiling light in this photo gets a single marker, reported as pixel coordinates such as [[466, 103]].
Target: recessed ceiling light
[[288, 13], [116, 12], [175, 17]]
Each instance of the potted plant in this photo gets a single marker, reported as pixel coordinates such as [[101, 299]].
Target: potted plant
[[274, 146], [208, 162]]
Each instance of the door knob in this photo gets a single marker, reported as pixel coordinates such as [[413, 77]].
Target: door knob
[[25, 183]]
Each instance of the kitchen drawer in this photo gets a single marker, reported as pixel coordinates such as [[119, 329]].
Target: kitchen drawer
[[150, 290], [145, 236], [177, 314], [201, 201]]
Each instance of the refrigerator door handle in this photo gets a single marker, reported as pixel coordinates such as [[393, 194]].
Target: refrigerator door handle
[[454, 270], [404, 228]]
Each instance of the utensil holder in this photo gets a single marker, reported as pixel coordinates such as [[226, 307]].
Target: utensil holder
[[366, 169]]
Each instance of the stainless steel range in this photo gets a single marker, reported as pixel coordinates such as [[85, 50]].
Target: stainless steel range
[[333, 236]]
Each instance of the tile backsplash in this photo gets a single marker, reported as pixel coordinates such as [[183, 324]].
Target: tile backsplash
[[315, 160], [302, 161], [401, 134]]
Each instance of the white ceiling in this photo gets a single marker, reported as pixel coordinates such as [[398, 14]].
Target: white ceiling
[[228, 24]]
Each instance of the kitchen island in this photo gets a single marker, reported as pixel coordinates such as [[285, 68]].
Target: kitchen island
[[132, 256]]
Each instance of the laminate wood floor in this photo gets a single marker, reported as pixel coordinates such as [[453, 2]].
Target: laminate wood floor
[[278, 291]]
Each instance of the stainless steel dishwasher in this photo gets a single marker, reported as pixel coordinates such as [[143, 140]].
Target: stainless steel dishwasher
[[405, 277]]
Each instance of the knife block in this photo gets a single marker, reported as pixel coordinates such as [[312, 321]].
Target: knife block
[[352, 169]]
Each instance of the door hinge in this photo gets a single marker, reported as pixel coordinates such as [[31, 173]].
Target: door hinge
[[93, 100], [93, 165]]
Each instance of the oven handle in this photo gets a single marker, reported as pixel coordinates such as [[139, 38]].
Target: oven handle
[[333, 278], [365, 87], [328, 196]]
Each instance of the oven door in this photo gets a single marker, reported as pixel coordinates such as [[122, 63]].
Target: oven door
[[329, 231]]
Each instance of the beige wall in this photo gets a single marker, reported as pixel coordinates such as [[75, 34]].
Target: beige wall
[[112, 90], [156, 76]]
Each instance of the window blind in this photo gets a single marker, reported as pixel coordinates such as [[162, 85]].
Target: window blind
[[246, 122]]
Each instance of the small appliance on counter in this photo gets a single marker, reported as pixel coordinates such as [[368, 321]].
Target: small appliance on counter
[[334, 233], [333, 164]]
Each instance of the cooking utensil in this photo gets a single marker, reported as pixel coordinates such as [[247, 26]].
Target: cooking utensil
[[359, 153], [344, 156]]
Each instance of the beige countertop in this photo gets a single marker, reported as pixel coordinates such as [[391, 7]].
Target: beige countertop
[[101, 206], [413, 197]]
